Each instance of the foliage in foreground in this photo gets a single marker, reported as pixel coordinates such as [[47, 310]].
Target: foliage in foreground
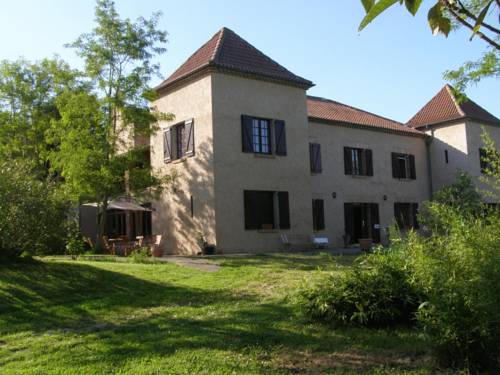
[[33, 215], [448, 282]]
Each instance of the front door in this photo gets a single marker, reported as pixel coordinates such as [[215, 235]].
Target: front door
[[361, 221]]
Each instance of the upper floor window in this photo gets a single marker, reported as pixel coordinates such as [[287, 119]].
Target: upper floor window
[[263, 136], [403, 166], [178, 141], [315, 157], [358, 161]]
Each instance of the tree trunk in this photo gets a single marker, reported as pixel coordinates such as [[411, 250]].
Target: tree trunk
[[101, 223]]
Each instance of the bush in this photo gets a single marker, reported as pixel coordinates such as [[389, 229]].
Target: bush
[[75, 245], [376, 291], [32, 214], [447, 282], [459, 273], [142, 255]]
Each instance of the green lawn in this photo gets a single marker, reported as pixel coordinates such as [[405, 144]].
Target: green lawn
[[76, 317]]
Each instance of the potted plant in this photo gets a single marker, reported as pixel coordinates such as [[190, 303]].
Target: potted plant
[[206, 248], [365, 244]]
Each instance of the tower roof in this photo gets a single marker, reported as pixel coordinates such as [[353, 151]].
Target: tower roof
[[227, 51], [444, 107]]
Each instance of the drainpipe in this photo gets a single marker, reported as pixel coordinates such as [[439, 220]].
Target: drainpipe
[[428, 141]]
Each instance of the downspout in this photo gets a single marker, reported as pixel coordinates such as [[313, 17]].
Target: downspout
[[428, 141]]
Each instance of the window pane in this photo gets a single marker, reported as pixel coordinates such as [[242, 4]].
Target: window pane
[[402, 167]]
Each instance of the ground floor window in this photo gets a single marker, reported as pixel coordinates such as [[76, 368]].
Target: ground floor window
[[318, 214], [361, 221], [266, 209], [406, 215], [116, 223]]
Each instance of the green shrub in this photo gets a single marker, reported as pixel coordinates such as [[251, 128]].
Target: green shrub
[[75, 245], [142, 255], [376, 291], [32, 213], [459, 272], [448, 282]]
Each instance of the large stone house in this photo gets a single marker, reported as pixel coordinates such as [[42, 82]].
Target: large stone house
[[256, 158]]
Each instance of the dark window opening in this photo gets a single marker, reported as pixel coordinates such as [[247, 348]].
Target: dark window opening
[[315, 157], [180, 141], [403, 166], [361, 221], [318, 214], [191, 206], [116, 223], [266, 210], [446, 156], [406, 215]]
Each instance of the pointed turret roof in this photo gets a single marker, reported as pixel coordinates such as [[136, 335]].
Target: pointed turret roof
[[227, 51], [444, 107]]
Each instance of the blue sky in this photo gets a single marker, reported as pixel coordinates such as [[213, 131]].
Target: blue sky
[[392, 68]]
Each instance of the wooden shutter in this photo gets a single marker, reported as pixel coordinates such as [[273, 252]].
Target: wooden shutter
[[250, 207], [318, 214], [369, 162], [347, 161], [280, 137], [167, 145], [349, 221], [284, 210], [246, 133], [395, 166], [374, 220], [411, 160], [189, 137], [315, 157]]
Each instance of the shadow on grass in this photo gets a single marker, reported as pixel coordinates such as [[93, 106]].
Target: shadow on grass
[[38, 296], [166, 318]]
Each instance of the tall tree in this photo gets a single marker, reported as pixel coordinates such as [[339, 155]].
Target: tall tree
[[28, 93], [95, 156], [481, 17]]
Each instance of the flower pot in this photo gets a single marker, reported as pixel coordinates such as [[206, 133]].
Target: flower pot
[[157, 252], [365, 244], [209, 250]]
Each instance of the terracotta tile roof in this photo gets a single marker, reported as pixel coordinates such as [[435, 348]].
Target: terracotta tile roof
[[228, 51], [444, 107], [330, 110]]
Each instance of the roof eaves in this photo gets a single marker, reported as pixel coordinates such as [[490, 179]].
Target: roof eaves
[[412, 132]]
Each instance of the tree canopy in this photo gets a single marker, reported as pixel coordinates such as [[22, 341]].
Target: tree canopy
[[479, 16]]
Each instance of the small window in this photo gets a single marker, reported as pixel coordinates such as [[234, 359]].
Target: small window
[[315, 157], [266, 210], [318, 214], [191, 205], [403, 166], [446, 156], [406, 215], [358, 161], [178, 141]]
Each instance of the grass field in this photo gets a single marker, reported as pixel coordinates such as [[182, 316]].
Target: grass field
[[77, 317]]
